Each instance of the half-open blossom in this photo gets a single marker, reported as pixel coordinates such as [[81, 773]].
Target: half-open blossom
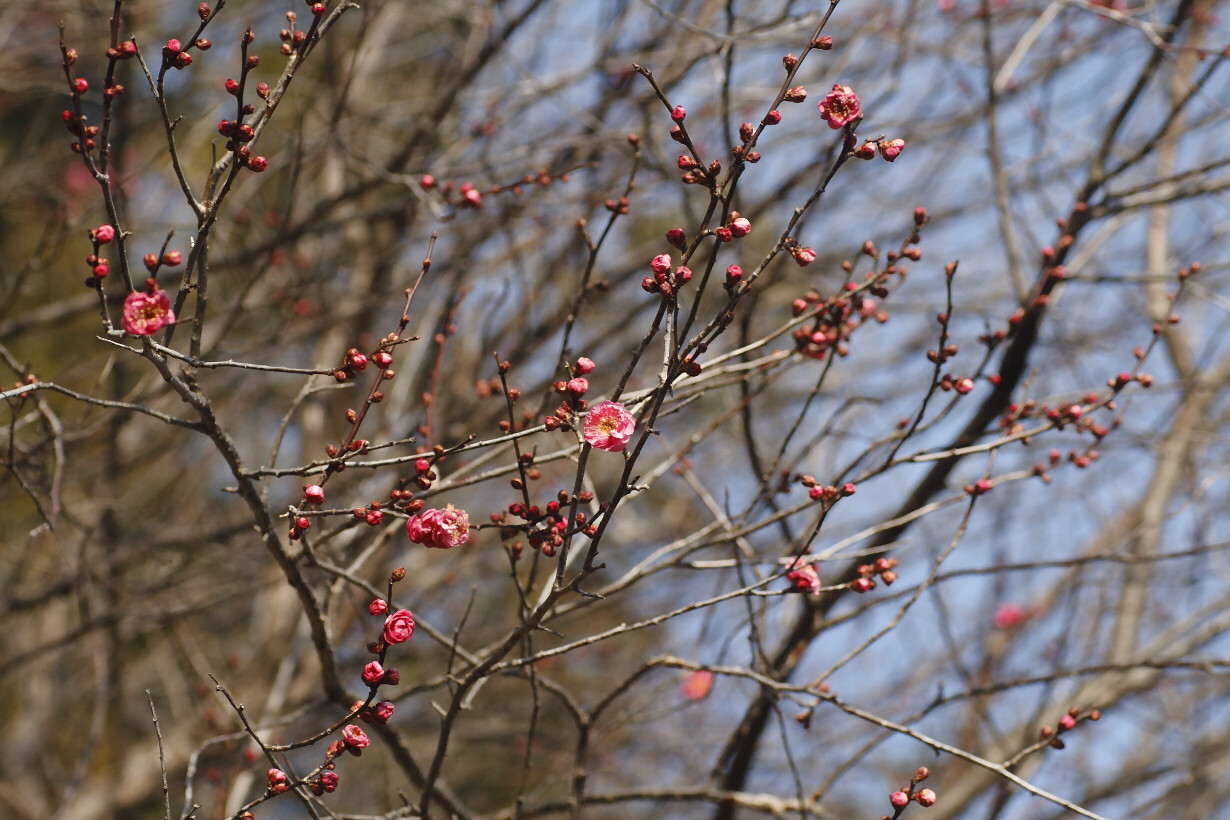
[[328, 781], [145, 313], [891, 149], [382, 711], [439, 529], [803, 256], [355, 739], [840, 106], [804, 579], [378, 607], [373, 673], [399, 626], [609, 426]]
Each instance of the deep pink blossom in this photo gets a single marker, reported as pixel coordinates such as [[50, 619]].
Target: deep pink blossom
[[439, 529], [609, 426], [584, 366], [355, 738], [840, 106], [104, 234], [378, 607], [383, 711], [891, 149], [373, 673], [145, 313], [399, 627], [328, 781]]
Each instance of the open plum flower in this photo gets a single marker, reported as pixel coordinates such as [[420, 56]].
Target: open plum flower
[[146, 313], [840, 106], [609, 426]]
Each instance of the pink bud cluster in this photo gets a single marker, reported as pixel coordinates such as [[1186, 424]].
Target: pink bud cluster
[[664, 280], [923, 797], [1066, 724], [883, 567], [545, 525], [374, 674]]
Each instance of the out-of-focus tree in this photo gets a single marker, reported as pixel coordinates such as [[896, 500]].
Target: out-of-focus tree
[[906, 464]]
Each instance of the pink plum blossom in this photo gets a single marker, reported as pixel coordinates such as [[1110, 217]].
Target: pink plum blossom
[[145, 313], [439, 529], [355, 739], [840, 106], [399, 627], [609, 426], [804, 579]]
